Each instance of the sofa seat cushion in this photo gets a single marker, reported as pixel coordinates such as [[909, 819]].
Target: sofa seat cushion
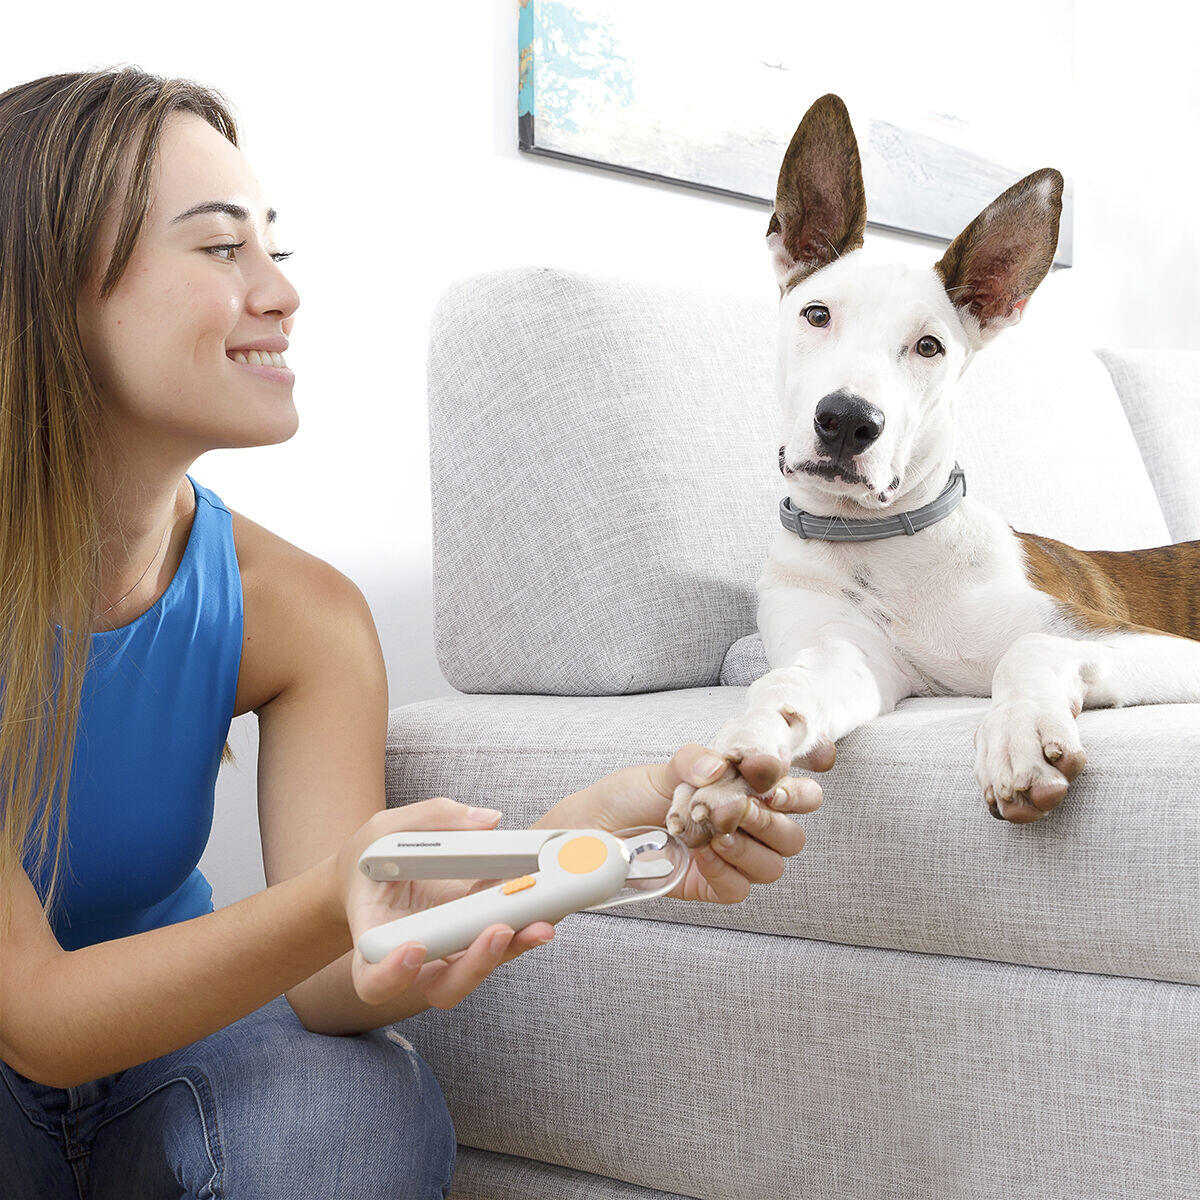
[[902, 853]]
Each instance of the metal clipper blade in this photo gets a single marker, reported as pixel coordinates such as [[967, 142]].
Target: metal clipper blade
[[641, 844]]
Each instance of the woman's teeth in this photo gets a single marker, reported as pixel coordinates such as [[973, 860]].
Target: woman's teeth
[[258, 358]]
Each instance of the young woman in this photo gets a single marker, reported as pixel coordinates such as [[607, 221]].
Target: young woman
[[143, 317]]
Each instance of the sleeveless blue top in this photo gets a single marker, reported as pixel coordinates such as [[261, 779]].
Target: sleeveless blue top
[[158, 699]]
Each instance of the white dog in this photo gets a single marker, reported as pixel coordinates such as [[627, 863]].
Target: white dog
[[887, 581]]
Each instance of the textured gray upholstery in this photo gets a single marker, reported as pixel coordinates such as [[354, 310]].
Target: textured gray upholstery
[[1161, 393], [902, 853]]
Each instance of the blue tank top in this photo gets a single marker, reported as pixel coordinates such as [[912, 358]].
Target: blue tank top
[[158, 699]]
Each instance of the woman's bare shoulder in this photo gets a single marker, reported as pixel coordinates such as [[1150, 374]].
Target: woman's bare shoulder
[[288, 597]]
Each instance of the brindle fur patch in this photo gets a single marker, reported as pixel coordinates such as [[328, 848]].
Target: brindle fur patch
[[1138, 591]]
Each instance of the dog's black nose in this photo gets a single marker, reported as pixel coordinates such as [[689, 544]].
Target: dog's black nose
[[846, 424]]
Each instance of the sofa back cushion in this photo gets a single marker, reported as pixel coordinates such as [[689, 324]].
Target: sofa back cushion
[[604, 488], [1161, 393], [605, 482]]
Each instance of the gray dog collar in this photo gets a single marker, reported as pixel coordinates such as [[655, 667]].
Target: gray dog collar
[[841, 529]]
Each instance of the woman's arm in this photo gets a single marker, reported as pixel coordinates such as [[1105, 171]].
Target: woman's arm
[[104, 1008], [322, 751], [638, 795], [89, 1012], [321, 761]]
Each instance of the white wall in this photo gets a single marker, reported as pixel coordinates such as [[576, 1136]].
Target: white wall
[[387, 141]]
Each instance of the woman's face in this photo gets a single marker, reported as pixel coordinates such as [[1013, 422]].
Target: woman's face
[[161, 346]]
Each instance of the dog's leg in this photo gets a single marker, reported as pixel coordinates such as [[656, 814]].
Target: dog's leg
[[836, 683], [1027, 749]]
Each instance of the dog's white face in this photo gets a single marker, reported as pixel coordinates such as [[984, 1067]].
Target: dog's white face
[[869, 353], [876, 349]]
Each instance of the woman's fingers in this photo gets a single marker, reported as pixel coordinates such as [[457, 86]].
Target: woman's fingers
[[447, 983], [756, 861], [528, 938], [726, 882], [379, 982], [756, 851], [766, 820], [801, 793]]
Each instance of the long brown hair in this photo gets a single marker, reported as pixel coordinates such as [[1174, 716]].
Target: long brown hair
[[63, 140]]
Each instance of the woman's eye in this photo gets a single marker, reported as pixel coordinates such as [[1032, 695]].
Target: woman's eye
[[817, 314], [929, 347], [277, 255]]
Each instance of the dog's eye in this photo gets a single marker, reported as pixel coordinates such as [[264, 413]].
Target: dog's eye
[[928, 347], [817, 315]]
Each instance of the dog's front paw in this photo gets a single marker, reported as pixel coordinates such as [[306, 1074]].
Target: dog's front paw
[[1026, 754], [760, 746], [697, 815]]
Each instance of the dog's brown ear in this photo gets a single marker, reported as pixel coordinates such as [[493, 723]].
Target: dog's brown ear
[[820, 206], [992, 268]]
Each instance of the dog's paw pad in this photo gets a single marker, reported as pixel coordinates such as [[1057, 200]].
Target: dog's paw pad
[[697, 815], [1025, 758], [761, 771], [820, 758]]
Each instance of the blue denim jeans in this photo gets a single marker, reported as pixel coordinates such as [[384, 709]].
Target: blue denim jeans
[[262, 1108]]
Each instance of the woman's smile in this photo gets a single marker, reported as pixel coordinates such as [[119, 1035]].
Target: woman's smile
[[269, 364], [263, 367]]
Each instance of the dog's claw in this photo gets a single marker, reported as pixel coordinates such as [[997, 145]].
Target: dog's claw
[[697, 815]]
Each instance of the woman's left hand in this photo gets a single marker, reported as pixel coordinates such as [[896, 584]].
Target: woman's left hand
[[718, 873]]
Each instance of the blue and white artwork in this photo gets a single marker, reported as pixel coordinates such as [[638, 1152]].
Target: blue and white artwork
[[660, 89]]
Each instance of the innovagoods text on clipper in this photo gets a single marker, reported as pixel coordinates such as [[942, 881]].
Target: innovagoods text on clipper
[[547, 874]]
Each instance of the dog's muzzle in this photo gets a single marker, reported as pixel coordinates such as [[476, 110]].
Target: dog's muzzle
[[846, 425]]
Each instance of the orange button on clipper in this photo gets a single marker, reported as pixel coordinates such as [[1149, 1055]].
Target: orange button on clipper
[[518, 885]]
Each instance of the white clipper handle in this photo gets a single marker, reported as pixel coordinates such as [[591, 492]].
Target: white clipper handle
[[576, 869], [455, 853]]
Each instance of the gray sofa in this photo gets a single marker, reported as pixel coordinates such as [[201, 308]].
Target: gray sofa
[[929, 1002]]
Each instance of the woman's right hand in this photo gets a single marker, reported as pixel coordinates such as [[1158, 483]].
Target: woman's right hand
[[368, 902]]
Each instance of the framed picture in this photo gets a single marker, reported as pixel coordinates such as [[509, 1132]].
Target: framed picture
[[629, 86]]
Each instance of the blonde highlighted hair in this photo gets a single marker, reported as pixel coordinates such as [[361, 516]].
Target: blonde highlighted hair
[[63, 140]]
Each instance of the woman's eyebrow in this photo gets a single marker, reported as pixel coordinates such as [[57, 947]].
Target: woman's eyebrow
[[236, 211]]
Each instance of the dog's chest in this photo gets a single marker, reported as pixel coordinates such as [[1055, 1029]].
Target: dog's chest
[[933, 627], [948, 606]]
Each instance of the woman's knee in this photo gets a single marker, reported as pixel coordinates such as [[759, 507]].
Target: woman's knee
[[420, 1107], [370, 1100]]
